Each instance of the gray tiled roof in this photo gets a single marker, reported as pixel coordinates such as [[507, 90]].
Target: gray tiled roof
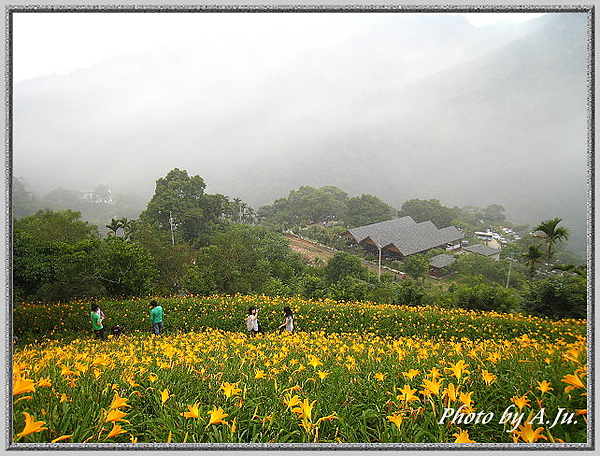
[[442, 260], [482, 249], [382, 233], [424, 236], [406, 235]]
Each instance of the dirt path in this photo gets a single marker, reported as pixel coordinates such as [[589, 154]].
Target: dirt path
[[314, 251]]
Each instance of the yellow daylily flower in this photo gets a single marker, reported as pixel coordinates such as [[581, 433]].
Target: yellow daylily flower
[[118, 402], [44, 382], [23, 385], [164, 395], [304, 409], [458, 369], [314, 361], [230, 389], [193, 411], [407, 394], [466, 399], [520, 401], [544, 386], [451, 392], [432, 387], [62, 437], [258, 374], [291, 401], [488, 377], [31, 426], [379, 376], [494, 358], [529, 435], [116, 430], [132, 382], [411, 374], [574, 382], [396, 418], [463, 437], [66, 370], [434, 373], [323, 375], [217, 415], [116, 415]]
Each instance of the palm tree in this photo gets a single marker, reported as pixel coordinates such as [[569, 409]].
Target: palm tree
[[550, 234], [113, 225], [126, 225], [533, 257]]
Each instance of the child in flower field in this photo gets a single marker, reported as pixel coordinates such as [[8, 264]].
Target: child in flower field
[[252, 320], [289, 320], [97, 319], [156, 317]]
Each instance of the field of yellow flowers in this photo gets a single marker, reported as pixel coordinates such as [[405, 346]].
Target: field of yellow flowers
[[211, 385]]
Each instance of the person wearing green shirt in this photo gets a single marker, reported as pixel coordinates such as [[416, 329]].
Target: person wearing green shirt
[[97, 321], [156, 317]]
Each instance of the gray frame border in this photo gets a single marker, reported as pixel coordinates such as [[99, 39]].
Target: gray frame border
[[8, 345]]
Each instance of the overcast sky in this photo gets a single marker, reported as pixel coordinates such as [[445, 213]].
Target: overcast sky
[[59, 43]]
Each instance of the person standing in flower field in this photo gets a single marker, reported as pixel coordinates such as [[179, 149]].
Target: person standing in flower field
[[97, 319], [156, 317], [289, 320], [252, 321]]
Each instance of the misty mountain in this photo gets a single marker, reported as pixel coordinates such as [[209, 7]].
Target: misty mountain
[[410, 106]]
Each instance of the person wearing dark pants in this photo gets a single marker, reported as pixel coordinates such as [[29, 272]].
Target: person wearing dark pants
[[156, 317], [97, 321]]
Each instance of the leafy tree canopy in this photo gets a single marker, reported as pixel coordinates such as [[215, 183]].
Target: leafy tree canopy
[[60, 226], [180, 204], [367, 209], [424, 210], [557, 297], [305, 206], [344, 264]]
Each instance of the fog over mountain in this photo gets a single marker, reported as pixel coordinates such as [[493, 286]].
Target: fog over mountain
[[402, 106]]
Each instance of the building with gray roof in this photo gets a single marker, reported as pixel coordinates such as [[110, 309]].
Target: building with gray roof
[[398, 238], [439, 264], [484, 250]]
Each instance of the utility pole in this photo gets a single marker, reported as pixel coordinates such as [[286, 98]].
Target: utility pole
[[509, 268], [172, 223], [379, 268]]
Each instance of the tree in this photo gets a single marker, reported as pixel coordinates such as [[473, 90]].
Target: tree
[[49, 270], [367, 209], [424, 210], [24, 202], [57, 226], [488, 297], [305, 206], [472, 267], [557, 297], [180, 204], [533, 257], [243, 259], [494, 214], [113, 225], [124, 268], [551, 234], [62, 196], [172, 261], [416, 265], [344, 264]]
